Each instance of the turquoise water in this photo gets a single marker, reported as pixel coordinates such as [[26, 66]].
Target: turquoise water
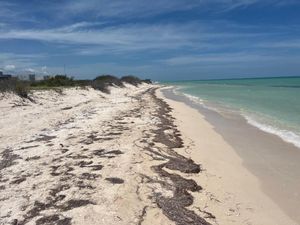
[[271, 104]]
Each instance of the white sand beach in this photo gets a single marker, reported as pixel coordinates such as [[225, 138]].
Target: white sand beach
[[83, 157], [74, 156]]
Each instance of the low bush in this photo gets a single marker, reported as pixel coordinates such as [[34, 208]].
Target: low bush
[[103, 82], [83, 83], [56, 81], [19, 87], [135, 80], [131, 80], [109, 80], [147, 81], [98, 85]]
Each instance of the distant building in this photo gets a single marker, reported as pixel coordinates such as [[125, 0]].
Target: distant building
[[5, 76], [31, 77]]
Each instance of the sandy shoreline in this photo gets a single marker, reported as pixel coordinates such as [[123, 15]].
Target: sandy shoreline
[[239, 171], [84, 157]]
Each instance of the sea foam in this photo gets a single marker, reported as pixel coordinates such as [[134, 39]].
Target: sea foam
[[286, 135]]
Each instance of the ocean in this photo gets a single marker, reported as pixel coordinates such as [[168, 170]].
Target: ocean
[[271, 104]]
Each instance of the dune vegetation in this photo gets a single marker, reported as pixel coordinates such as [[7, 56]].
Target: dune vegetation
[[101, 83]]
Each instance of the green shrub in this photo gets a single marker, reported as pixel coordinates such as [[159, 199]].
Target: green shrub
[[56, 81], [147, 81], [102, 83], [131, 80], [109, 80], [83, 83], [135, 80], [98, 85]]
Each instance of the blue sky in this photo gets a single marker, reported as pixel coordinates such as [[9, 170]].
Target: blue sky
[[162, 40]]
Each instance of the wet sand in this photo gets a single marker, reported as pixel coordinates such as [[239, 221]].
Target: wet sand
[[272, 161]]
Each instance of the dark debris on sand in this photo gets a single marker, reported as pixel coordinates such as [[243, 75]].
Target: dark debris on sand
[[53, 220], [42, 138], [175, 207], [115, 180], [8, 159], [75, 203]]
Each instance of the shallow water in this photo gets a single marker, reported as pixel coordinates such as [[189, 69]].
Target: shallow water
[[271, 104], [272, 160]]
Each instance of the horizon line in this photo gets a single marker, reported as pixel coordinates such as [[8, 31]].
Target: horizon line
[[241, 78]]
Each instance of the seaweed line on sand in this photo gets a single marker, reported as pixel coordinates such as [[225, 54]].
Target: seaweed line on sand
[[175, 207]]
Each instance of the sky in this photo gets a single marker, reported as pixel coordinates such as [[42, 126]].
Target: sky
[[161, 39]]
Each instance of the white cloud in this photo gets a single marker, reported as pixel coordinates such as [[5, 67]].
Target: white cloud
[[132, 37], [9, 67], [30, 70], [117, 10], [18, 63], [139, 37], [294, 44], [143, 8], [228, 58], [129, 8], [37, 70]]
